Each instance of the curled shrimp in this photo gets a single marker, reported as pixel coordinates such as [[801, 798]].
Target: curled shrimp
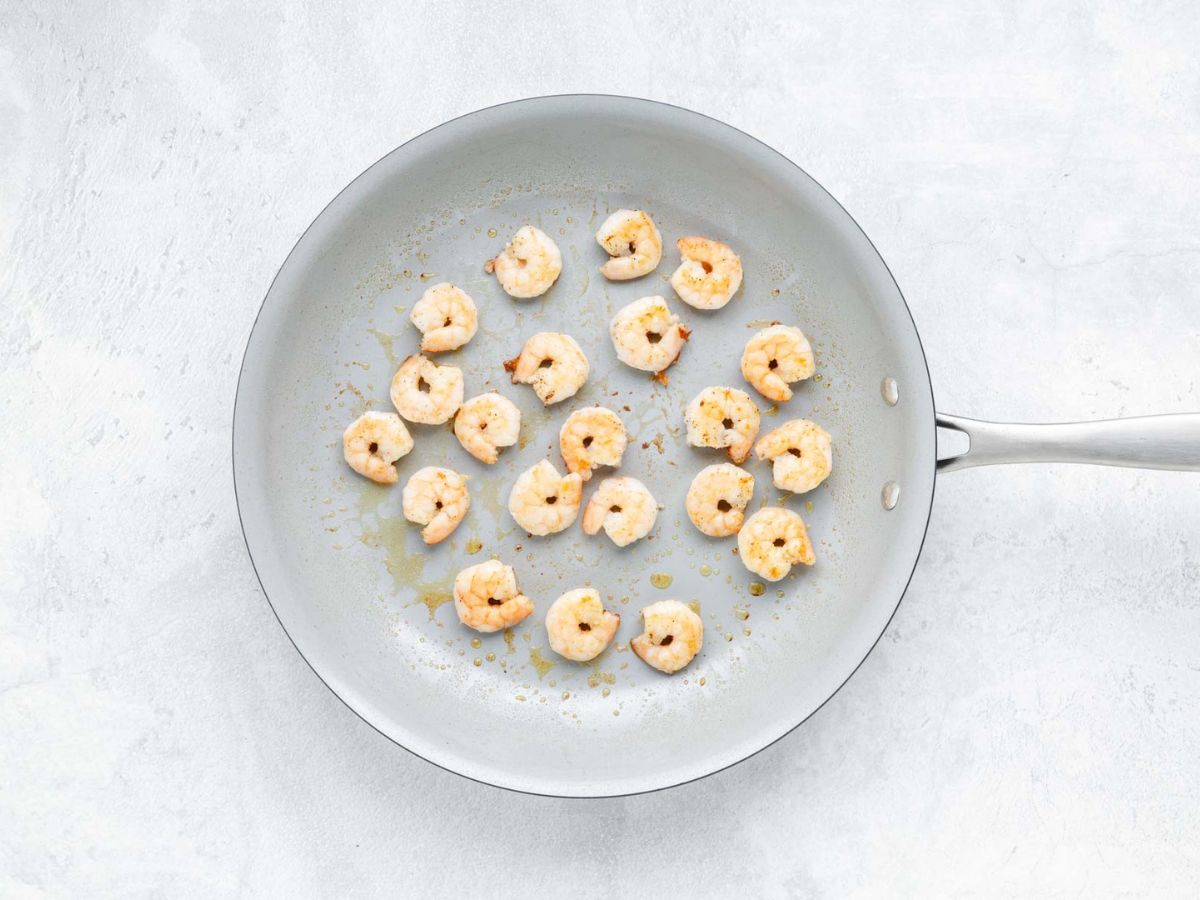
[[709, 275], [772, 541], [424, 392], [801, 455], [578, 626], [552, 364], [438, 499], [592, 437], [487, 599], [624, 508], [631, 238], [529, 265], [544, 502], [774, 358], [717, 499], [446, 317], [647, 335], [373, 443], [671, 637], [723, 417], [486, 424]]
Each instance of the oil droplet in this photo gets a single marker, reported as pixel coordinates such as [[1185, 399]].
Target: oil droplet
[[808, 507], [474, 545], [476, 643], [729, 636], [741, 612], [706, 571], [491, 657], [661, 580], [818, 377], [774, 293], [772, 410], [521, 697], [605, 692], [477, 661], [566, 695], [694, 606], [780, 594], [757, 588], [540, 663], [746, 632], [890, 495], [509, 640], [491, 232], [703, 681], [407, 273], [616, 712], [425, 276], [890, 391]]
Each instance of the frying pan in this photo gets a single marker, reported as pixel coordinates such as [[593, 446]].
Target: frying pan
[[364, 600]]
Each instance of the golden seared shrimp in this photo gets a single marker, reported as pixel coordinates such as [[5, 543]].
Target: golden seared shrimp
[[624, 508], [772, 541], [801, 455], [592, 437], [373, 443], [438, 499], [775, 357], [578, 625], [486, 597], [529, 265], [446, 317], [717, 499], [723, 417], [631, 238], [552, 364], [647, 335], [672, 636], [423, 391], [487, 423], [544, 502], [709, 275]]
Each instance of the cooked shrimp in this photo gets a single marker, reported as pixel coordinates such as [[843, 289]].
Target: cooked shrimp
[[631, 238], [438, 499], [624, 507], [446, 317], [775, 357], [772, 541], [578, 625], [552, 364], [671, 638], [373, 443], [487, 423], [486, 597], [647, 335], [801, 454], [544, 502], [592, 437], [423, 391], [529, 265], [709, 275], [723, 417], [718, 497]]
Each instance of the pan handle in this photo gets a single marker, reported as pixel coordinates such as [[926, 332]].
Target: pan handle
[[1146, 442]]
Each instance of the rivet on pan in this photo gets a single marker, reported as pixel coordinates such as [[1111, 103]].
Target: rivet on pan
[[890, 391], [890, 495]]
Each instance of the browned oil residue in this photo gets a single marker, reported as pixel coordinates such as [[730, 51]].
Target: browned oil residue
[[432, 600], [510, 640], [694, 606], [474, 545], [540, 663], [757, 588]]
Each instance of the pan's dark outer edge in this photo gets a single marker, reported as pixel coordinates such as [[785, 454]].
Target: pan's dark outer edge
[[933, 462]]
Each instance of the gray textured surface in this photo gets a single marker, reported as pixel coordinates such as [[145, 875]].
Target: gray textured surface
[[1027, 725]]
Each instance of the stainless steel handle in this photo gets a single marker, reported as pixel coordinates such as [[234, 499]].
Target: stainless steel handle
[[1146, 442]]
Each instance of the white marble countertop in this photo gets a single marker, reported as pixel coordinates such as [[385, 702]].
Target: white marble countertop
[[1029, 725]]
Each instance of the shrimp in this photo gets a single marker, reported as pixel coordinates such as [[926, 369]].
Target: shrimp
[[578, 625], [775, 357], [671, 638], [529, 265], [709, 275], [631, 238], [723, 417], [591, 437], [374, 442], [772, 541], [446, 317], [544, 502], [423, 391], [552, 364], [717, 499], [647, 335], [438, 499], [801, 454], [624, 507], [487, 423], [487, 599]]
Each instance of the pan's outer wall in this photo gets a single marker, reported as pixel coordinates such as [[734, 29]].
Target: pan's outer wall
[[740, 187]]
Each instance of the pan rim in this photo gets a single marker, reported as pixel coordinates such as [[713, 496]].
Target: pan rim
[[238, 394]]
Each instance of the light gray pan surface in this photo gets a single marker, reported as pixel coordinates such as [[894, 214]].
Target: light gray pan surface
[[364, 600]]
